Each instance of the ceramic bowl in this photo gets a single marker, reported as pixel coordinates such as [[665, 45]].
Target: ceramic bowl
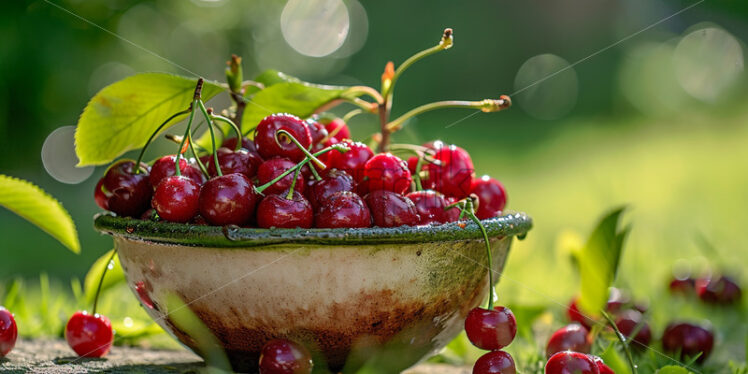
[[376, 296]]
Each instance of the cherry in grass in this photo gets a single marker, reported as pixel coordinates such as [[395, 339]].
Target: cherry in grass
[[281, 356], [125, 189], [89, 335], [165, 167], [688, 340], [343, 209], [495, 362], [491, 329], [628, 321], [569, 362], [8, 332], [718, 290], [176, 198], [572, 337], [386, 171], [270, 144], [601, 366], [389, 209]]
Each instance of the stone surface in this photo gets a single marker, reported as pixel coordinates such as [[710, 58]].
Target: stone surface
[[55, 357]]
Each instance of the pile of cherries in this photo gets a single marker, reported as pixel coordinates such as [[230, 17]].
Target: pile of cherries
[[492, 329], [716, 290], [301, 174]]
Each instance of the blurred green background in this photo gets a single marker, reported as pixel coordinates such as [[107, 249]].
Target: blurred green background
[[658, 119]]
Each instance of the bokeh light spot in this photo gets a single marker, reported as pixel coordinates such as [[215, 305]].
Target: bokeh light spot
[[708, 62], [59, 158], [315, 28], [545, 97]]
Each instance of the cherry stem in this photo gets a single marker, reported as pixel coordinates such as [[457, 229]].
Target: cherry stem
[[234, 126], [186, 136], [338, 147], [469, 210], [355, 91], [212, 136], [347, 117], [316, 161], [417, 176], [101, 281], [153, 135], [487, 106], [293, 183], [197, 158], [622, 339]]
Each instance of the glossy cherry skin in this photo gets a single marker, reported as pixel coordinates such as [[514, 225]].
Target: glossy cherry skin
[[386, 171], [247, 144], [343, 209], [688, 339], [8, 332], [430, 207], [491, 196], [101, 199], [176, 199], [274, 167], [89, 335], [491, 329], [333, 181], [317, 131], [282, 356], [496, 362], [568, 362], [232, 162], [278, 211], [601, 367], [572, 337], [575, 315], [389, 209], [353, 161], [128, 194], [228, 200], [339, 129], [683, 286], [269, 146], [722, 290], [454, 175], [627, 322], [165, 167]]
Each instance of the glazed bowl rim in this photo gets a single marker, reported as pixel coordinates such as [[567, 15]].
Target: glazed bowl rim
[[509, 224]]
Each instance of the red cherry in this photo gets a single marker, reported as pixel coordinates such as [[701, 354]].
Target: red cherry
[[573, 337], [271, 146], [688, 340], [89, 335], [627, 322], [8, 332], [491, 197], [333, 181], [389, 209], [247, 144], [100, 197], [232, 162], [413, 164], [387, 172], [176, 198], [683, 286], [618, 300], [164, 167], [601, 367], [128, 194], [430, 207], [227, 200], [491, 329], [274, 167], [575, 315], [453, 175], [343, 209], [722, 290], [339, 129], [282, 356], [496, 362], [568, 362], [278, 211], [353, 161], [317, 131]]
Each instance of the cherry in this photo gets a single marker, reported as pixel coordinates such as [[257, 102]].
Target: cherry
[[333, 181], [343, 209], [8, 332], [491, 196], [413, 164], [601, 367], [496, 362], [283, 212], [688, 340], [722, 290], [572, 337], [430, 207], [627, 322], [338, 129], [127, 193], [176, 198], [617, 300], [268, 145], [282, 356], [568, 362], [453, 175], [89, 335], [317, 131], [232, 162], [576, 316], [353, 161], [684, 286], [165, 167], [491, 329], [274, 167], [389, 209], [228, 199], [101, 199], [247, 144], [387, 172]]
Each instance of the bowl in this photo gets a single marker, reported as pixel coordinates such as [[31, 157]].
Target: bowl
[[354, 297]]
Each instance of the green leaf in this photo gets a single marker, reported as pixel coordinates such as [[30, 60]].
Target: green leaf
[[672, 369], [597, 262], [124, 114], [615, 360], [36, 206], [114, 275]]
